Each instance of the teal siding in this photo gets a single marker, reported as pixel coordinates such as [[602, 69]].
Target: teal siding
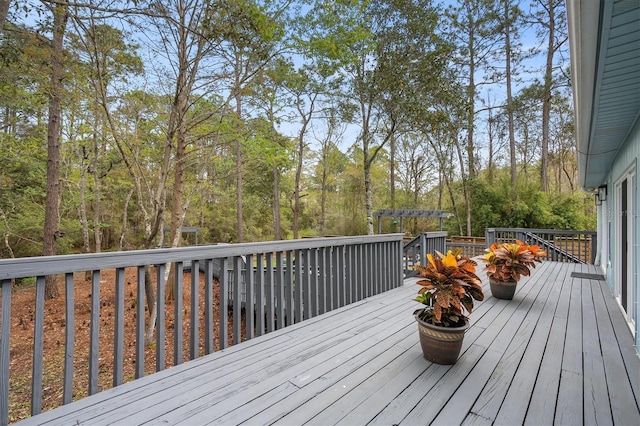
[[626, 157]]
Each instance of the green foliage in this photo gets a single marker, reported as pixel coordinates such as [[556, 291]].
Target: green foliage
[[383, 65], [493, 205]]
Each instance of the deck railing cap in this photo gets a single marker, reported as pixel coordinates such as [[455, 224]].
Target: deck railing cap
[[46, 265]]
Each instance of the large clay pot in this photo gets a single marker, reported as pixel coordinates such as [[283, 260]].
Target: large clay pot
[[503, 289], [441, 345]]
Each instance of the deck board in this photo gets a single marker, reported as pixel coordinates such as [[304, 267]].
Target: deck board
[[545, 392], [560, 352], [597, 409], [490, 400], [570, 396]]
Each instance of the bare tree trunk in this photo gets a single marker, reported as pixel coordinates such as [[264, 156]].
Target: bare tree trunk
[[51, 218], [239, 207], [84, 221], [465, 188], [7, 232], [490, 137], [4, 11], [323, 191], [296, 188], [471, 94], [277, 226], [512, 138], [124, 219], [96, 190], [546, 100], [392, 170], [152, 305]]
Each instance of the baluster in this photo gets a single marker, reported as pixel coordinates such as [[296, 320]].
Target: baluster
[[313, 291], [5, 348], [160, 319], [94, 352], [177, 315], [38, 340], [260, 294], [301, 283], [118, 335], [69, 333], [194, 340], [322, 280], [208, 306], [140, 324], [237, 299], [279, 283], [224, 303], [288, 287], [330, 281], [270, 294], [249, 303], [338, 273]]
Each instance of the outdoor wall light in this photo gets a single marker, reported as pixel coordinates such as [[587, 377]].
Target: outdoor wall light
[[598, 202], [602, 193]]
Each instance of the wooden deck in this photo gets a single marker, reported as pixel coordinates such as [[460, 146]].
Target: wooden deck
[[560, 352]]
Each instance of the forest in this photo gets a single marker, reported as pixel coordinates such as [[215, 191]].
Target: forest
[[123, 122]]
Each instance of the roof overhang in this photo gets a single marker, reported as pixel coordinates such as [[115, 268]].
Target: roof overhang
[[604, 40]]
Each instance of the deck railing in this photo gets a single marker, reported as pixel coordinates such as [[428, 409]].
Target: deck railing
[[289, 281], [416, 250], [560, 245]]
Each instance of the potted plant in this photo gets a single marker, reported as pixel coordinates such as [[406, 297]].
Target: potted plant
[[448, 288], [506, 263]]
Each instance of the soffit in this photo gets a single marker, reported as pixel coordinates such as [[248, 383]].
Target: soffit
[[615, 89]]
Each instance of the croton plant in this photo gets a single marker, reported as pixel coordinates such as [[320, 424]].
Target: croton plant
[[509, 261], [449, 285]]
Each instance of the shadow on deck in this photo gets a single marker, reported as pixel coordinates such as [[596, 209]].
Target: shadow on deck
[[560, 352]]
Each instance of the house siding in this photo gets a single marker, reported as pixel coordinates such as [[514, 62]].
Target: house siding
[[609, 218]]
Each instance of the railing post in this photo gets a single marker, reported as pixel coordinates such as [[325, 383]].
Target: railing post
[[423, 247], [594, 247], [489, 236]]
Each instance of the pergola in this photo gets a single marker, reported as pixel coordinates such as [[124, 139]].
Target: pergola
[[402, 213], [185, 230]]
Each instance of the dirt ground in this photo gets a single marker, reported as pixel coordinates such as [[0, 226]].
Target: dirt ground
[[22, 330]]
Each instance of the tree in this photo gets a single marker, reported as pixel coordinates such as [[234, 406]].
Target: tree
[[551, 18], [105, 60], [249, 35], [330, 164], [306, 87], [508, 21], [4, 11], [51, 217], [474, 30]]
